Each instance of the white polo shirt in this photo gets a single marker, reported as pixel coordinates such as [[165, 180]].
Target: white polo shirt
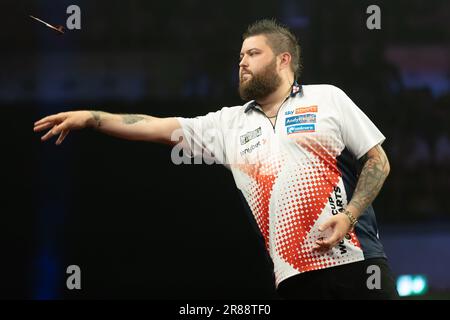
[[296, 174]]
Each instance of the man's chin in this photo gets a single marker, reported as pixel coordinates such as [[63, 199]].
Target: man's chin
[[244, 80], [243, 86]]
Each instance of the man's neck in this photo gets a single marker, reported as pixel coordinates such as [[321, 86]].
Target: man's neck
[[274, 100]]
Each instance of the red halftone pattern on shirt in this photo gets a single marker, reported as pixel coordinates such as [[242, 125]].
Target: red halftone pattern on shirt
[[325, 148], [302, 195], [263, 176], [305, 196], [354, 240]]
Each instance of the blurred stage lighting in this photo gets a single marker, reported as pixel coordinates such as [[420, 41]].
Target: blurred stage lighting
[[412, 285]]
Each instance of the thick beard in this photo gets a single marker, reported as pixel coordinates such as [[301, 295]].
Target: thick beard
[[261, 84]]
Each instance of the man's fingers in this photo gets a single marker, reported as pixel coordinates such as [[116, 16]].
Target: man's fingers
[[320, 247], [49, 121], [325, 244], [62, 136], [48, 135], [52, 118], [332, 240], [59, 128], [46, 119], [43, 126], [62, 128]]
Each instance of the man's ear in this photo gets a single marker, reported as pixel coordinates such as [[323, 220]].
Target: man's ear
[[285, 60]]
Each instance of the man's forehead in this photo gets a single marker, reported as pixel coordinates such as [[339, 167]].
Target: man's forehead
[[254, 42]]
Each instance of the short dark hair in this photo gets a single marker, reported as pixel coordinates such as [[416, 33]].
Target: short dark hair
[[279, 38]]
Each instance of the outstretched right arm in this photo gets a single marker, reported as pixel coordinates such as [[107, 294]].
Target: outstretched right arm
[[125, 126]]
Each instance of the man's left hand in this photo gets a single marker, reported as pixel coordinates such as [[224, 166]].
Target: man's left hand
[[339, 226]]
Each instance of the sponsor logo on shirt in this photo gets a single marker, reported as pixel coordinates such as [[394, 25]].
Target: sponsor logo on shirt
[[301, 128], [250, 135], [301, 110], [337, 205], [289, 113], [304, 118], [306, 109], [250, 149]]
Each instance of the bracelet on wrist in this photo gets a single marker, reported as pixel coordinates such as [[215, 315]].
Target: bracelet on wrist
[[353, 220]]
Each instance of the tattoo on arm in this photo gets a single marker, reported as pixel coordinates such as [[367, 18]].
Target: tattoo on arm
[[131, 118], [373, 174], [97, 117], [126, 118]]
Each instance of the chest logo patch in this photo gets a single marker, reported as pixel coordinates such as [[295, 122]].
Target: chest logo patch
[[301, 128], [301, 110], [306, 109], [303, 118], [250, 135]]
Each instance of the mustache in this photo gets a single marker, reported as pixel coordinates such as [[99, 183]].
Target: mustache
[[244, 71]]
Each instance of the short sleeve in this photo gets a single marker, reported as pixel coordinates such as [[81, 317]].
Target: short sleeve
[[359, 133], [203, 138]]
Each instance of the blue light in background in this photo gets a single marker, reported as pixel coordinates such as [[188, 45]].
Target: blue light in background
[[46, 284], [412, 285]]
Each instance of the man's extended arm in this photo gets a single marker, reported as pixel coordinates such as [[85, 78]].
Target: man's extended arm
[[124, 126]]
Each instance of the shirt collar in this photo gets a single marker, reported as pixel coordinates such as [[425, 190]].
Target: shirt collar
[[296, 89]]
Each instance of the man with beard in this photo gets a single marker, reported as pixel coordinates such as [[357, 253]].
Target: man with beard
[[306, 159]]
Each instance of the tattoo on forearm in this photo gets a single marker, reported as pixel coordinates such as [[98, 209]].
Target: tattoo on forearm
[[97, 117], [126, 118], [131, 118], [371, 179]]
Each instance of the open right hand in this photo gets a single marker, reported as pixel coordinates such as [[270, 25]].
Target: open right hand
[[62, 123]]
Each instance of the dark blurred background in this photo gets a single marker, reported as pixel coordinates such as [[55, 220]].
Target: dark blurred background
[[141, 227]]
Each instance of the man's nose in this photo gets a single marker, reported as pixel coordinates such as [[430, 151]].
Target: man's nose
[[243, 63]]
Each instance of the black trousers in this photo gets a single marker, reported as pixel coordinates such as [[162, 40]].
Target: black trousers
[[350, 281]]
